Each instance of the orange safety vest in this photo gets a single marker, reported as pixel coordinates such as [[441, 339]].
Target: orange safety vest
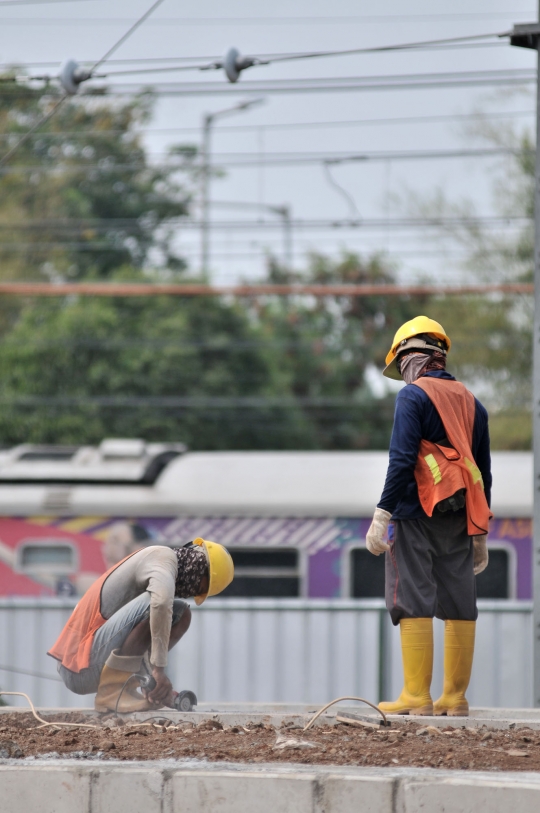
[[74, 645], [441, 471]]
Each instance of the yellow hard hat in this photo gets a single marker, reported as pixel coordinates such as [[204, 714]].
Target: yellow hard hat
[[220, 568], [405, 336]]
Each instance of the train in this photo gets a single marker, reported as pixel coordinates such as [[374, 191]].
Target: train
[[295, 522]]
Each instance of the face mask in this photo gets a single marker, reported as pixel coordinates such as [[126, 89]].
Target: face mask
[[412, 366]]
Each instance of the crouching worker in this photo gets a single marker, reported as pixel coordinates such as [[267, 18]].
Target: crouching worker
[[437, 494], [135, 610]]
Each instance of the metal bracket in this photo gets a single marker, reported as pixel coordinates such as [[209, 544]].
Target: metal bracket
[[525, 35]]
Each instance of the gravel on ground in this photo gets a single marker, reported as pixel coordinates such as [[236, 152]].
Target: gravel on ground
[[404, 743]]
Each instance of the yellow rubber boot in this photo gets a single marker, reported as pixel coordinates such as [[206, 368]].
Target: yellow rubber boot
[[113, 693], [417, 653], [458, 660]]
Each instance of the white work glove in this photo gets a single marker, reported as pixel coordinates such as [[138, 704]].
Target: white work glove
[[377, 532], [481, 555]]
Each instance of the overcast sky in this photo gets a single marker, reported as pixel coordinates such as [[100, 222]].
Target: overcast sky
[[84, 29]]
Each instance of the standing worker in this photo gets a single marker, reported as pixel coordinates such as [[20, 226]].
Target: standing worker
[[437, 494], [136, 609]]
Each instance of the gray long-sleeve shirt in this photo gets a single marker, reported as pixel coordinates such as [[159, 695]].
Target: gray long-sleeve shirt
[[153, 569]]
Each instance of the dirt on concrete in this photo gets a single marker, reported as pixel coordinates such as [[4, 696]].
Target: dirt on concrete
[[404, 743]]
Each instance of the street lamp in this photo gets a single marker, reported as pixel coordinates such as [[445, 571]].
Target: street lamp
[[208, 122], [284, 212]]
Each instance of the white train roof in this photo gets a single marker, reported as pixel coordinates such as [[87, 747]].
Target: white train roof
[[265, 484]]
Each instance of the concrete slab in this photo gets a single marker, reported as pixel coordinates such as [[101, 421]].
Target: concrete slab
[[98, 786]]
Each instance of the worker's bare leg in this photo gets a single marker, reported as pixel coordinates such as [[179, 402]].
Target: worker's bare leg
[[139, 639]]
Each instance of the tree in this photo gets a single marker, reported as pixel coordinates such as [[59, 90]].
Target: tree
[[80, 199], [492, 335], [329, 344], [77, 371]]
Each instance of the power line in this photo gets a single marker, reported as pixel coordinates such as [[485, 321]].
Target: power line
[[427, 81], [41, 289], [278, 20], [299, 125], [243, 159], [35, 2], [45, 118], [126, 36], [491, 221]]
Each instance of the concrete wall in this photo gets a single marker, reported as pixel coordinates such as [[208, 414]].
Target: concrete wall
[[297, 651], [64, 787]]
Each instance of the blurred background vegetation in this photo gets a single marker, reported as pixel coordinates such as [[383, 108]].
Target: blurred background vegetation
[[266, 373]]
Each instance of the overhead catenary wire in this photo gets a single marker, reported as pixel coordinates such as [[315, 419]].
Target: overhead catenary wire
[[422, 81], [115, 289], [243, 159], [293, 125], [44, 119]]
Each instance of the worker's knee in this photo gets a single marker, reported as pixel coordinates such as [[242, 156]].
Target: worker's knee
[[185, 620], [180, 627]]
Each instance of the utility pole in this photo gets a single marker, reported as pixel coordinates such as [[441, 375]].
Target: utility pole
[[528, 36], [206, 171], [285, 213]]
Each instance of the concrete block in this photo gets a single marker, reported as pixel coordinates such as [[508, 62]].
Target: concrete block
[[361, 794], [460, 795], [242, 792], [46, 789], [124, 790]]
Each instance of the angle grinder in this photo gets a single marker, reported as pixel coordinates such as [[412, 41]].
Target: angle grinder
[[183, 701]]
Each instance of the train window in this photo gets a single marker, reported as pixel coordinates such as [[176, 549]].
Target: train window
[[366, 574], [48, 455], [494, 582], [264, 573], [51, 555]]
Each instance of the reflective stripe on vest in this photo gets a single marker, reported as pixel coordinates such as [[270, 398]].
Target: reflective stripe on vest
[[442, 470], [434, 468]]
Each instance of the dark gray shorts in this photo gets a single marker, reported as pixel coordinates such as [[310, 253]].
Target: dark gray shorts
[[429, 569], [111, 636]]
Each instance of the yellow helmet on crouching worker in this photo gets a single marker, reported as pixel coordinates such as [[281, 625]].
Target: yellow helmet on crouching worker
[[220, 568], [420, 332]]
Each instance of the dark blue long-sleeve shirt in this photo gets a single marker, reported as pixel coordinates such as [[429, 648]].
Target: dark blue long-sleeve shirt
[[415, 419]]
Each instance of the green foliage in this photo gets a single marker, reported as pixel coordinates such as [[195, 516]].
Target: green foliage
[[78, 370], [62, 358], [79, 199], [328, 344]]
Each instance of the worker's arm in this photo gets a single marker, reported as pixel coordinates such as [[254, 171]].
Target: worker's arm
[[157, 571], [481, 447], [404, 445]]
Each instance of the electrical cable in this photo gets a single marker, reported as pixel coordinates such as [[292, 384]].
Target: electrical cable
[[351, 203], [58, 104], [498, 78], [128, 33], [383, 48], [294, 20], [35, 2], [286, 58], [29, 674], [5, 158], [338, 700], [41, 720], [298, 125]]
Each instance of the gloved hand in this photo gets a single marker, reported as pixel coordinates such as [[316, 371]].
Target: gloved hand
[[377, 532], [481, 555]]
